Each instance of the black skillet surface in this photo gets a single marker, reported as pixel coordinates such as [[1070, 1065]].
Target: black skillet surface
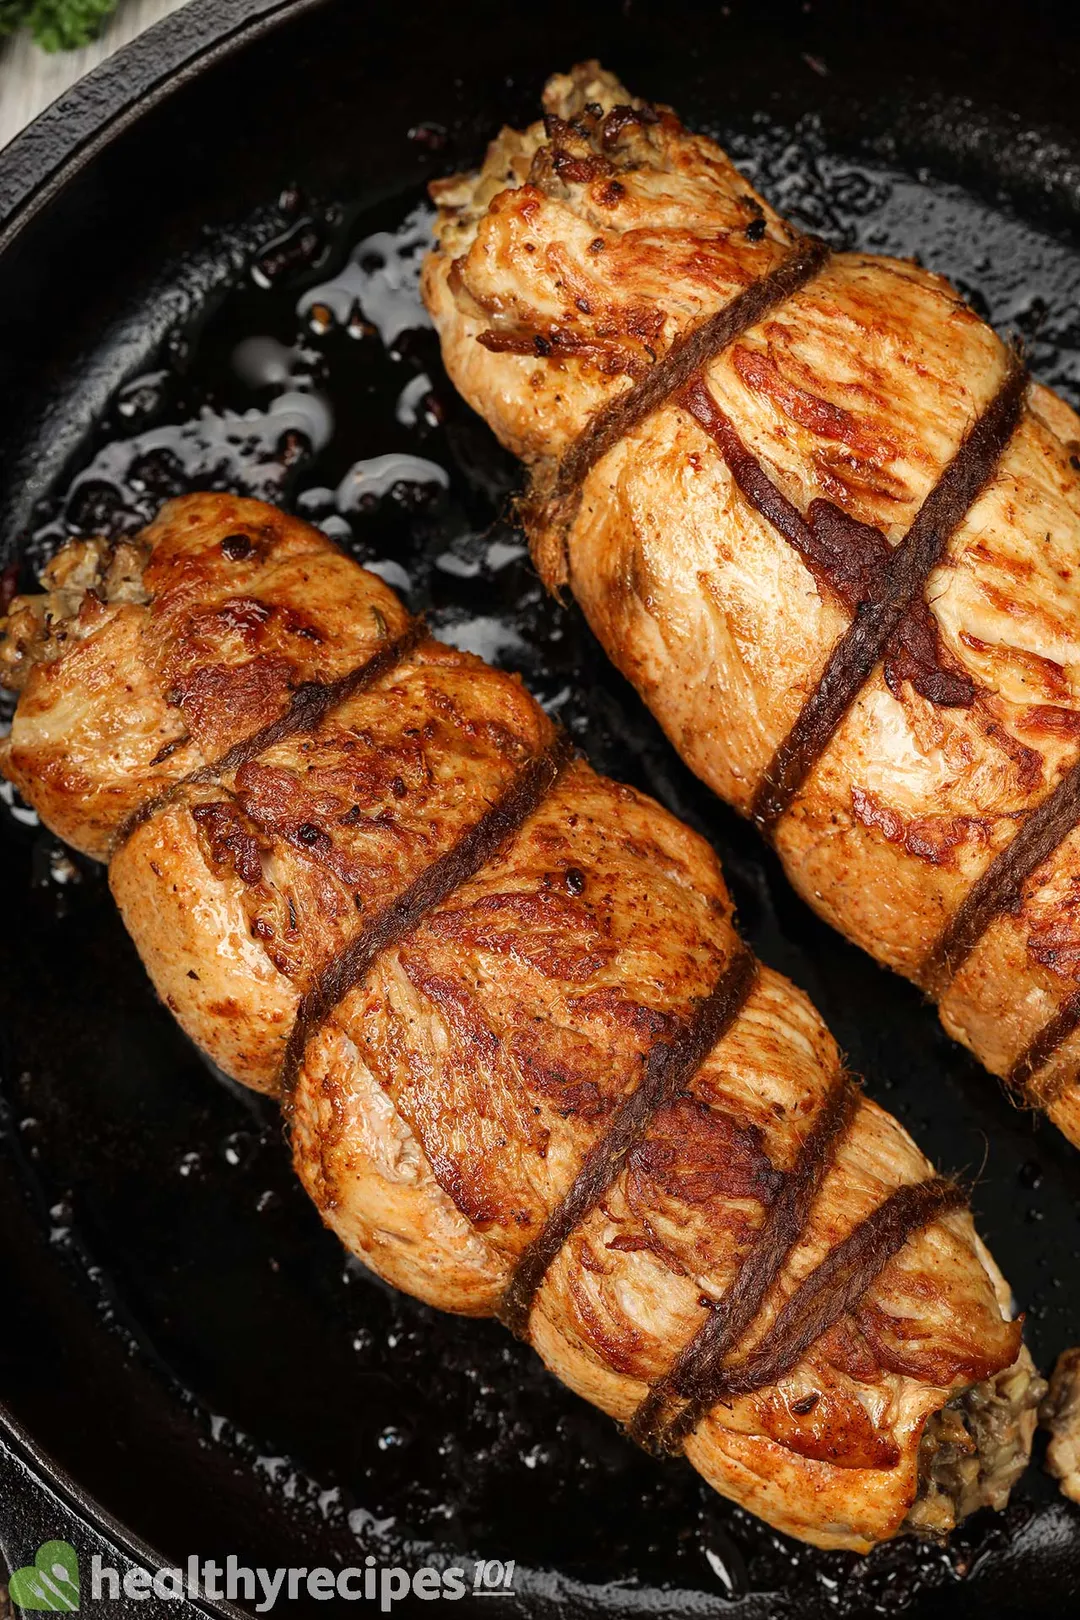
[[179, 1333]]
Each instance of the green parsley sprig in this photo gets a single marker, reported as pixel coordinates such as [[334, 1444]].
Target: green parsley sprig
[[56, 25]]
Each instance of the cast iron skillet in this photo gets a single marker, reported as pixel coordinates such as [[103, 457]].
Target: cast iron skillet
[[180, 1337]]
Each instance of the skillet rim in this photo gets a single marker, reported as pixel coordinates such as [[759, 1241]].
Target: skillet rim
[[72, 130], [49, 1475]]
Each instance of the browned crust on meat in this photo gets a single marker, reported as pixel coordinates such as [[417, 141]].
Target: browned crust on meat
[[920, 814], [554, 494], [676, 1403], [886, 614], [670, 1064], [499, 948], [433, 886]]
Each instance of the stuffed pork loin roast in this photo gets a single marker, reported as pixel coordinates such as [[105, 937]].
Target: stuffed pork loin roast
[[529, 1067], [817, 514]]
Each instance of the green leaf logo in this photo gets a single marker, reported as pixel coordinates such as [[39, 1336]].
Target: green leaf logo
[[51, 1582]]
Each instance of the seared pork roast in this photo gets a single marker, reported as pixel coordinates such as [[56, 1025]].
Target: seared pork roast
[[530, 1069], [818, 514]]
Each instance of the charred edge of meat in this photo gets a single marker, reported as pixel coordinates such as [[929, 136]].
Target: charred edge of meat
[[668, 1068], [685, 358], [1059, 1414], [694, 1370], [864, 642], [550, 508], [973, 1450], [820, 1300], [467, 856], [997, 890], [85, 578]]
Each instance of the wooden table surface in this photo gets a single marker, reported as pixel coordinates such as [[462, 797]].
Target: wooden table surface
[[30, 79]]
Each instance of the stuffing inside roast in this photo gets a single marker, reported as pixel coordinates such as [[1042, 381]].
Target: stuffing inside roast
[[84, 577], [974, 1450], [1060, 1414]]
